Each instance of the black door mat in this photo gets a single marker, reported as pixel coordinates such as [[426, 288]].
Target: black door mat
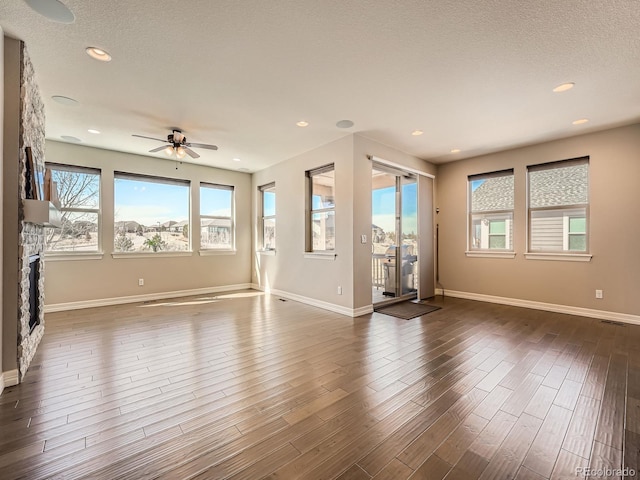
[[407, 310]]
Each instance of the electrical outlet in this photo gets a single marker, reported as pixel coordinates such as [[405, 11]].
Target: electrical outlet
[[599, 294], [339, 290], [140, 282]]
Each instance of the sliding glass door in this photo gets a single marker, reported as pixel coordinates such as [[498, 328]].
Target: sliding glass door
[[394, 234]]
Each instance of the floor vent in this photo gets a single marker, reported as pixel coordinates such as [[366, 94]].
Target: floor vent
[[611, 322]]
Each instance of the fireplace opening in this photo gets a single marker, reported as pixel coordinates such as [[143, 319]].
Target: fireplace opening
[[34, 294]]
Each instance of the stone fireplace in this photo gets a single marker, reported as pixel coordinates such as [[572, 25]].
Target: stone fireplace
[[24, 238]]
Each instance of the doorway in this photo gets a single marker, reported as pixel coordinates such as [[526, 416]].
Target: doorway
[[394, 235]]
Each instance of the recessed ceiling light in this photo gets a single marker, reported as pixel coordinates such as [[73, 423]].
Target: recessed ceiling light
[[344, 124], [455, 150], [564, 87], [94, 131], [580, 121], [417, 133], [70, 102], [236, 159], [302, 123], [98, 54], [69, 138], [52, 9]]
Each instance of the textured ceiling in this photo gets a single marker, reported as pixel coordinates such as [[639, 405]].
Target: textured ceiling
[[474, 75]]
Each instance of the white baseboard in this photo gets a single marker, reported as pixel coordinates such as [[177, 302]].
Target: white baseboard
[[332, 307], [550, 307], [8, 379], [103, 302]]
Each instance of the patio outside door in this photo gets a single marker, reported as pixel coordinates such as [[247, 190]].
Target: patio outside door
[[394, 234]]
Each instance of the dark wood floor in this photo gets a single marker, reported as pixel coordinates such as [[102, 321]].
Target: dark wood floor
[[247, 386]]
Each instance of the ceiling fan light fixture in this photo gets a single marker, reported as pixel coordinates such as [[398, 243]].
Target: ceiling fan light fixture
[[168, 151], [98, 54], [180, 152]]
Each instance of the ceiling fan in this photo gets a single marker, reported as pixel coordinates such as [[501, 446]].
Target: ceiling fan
[[177, 143]]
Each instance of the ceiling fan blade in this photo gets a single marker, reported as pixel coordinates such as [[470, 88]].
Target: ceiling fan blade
[[150, 138], [190, 152], [158, 149], [202, 145]]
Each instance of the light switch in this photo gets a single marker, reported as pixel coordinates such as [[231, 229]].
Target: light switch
[[363, 239]]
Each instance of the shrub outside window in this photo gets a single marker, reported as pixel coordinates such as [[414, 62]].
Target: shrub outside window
[[151, 214], [491, 211], [559, 206], [321, 234], [216, 217], [78, 190]]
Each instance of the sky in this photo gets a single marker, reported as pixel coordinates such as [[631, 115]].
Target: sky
[[151, 202], [384, 207]]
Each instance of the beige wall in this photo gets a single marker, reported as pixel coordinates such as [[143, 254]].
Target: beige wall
[[289, 271], [84, 280], [1, 189], [614, 173], [11, 149]]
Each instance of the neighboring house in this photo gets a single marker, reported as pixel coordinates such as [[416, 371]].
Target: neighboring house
[[215, 232], [128, 226], [558, 213], [493, 228]]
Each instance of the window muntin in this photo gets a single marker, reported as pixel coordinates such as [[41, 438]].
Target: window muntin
[[559, 206], [151, 214], [491, 211], [321, 227], [216, 217], [268, 216], [78, 190]]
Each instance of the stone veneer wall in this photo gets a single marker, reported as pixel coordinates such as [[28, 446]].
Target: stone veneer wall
[[32, 237]]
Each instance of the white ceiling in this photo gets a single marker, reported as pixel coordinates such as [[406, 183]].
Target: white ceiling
[[474, 75]]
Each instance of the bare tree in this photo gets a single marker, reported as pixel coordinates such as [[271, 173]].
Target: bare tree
[[76, 191]]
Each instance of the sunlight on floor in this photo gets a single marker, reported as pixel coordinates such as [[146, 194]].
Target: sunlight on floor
[[203, 300]]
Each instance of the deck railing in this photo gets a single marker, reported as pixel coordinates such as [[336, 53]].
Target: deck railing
[[377, 269]]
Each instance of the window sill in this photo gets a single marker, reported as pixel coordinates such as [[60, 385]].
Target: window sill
[[487, 254], [208, 253], [151, 254], [66, 256], [320, 255], [271, 253], [563, 257]]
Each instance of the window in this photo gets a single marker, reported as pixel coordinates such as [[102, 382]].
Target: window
[[321, 234], [491, 211], [268, 216], [78, 190], [558, 206], [151, 214], [216, 217]]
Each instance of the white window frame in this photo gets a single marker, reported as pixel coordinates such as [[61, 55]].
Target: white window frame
[[568, 211], [231, 218], [489, 216], [82, 254], [311, 211], [269, 187], [152, 179]]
